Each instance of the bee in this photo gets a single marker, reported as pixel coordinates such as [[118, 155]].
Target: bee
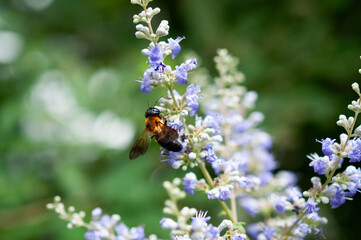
[[155, 125]]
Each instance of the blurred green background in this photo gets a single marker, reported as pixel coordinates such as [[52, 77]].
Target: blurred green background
[[70, 108]]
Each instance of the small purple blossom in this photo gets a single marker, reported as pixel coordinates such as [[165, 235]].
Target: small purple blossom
[[200, 220], [190, 182], [182, 70], [311, 206], [174, 45], [354, 177], [238, 237], [320, 164], [211, 122], [212, 232], [92, 235], [327, 146], [355, 154], [304, 229], [280, 204], [155, 56], [96, 213], [224, 193], [269, 232], [337, 195], [211, 156], [176, 124], [146, 81], [192, 96], [123, 232], [249, 204], [214, 193]]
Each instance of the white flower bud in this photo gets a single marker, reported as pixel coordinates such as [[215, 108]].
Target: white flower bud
[[167, 185], [156, 10], [307, 194], [140, 35], [184, 113], [225, 224], [167, 70], [57, 198], [69, 226], [204, 136], [192, 155], [356, 87], [50, 206], [135, 2], [325, 200], [177, 181], [217, 138], [115, 217]]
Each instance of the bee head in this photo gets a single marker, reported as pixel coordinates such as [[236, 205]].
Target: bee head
[[152, 111]]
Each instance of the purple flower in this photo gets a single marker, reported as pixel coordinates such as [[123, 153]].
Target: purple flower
[[337, 195], [224, 193], [327, 146], [137, 233], [320, 164], [211, 232], [253, 230], [174, 45], [182, 71], [211, 156], [354, 176], [146, 81], [304, 228], [214, 193], [192, 96], [155, 56], [176, 124], [269, 232], [96, 213], [211, 122], [311, 206], [122, 230], [238, 237], [250, 205], [281, 204], [173, 157], [190, 182], [355, 154], [92, 235], [199, 221], [293, 193]]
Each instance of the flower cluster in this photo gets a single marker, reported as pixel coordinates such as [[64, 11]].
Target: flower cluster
[[101, 226], [190, 223], [158, 74], [227, 140]]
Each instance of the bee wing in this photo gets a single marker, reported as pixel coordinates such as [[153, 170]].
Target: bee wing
[[169, 134], [140, 147]]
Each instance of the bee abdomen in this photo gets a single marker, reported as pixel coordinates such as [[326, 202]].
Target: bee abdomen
[[173, 146]]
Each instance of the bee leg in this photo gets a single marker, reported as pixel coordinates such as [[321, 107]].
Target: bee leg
[[165, 121]]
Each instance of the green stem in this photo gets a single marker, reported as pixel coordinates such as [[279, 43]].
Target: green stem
[[223, 204], [149, 24]]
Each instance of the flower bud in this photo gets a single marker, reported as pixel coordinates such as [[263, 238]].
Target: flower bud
[[356, 87]]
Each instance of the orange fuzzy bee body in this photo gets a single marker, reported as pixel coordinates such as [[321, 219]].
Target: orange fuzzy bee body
[[156, 125]]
